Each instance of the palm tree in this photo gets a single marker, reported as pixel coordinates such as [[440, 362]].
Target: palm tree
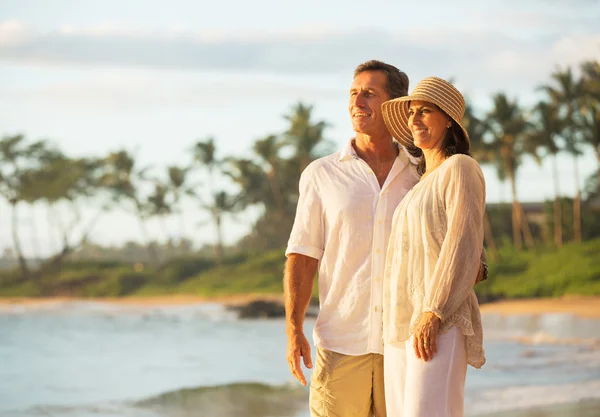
[[124, 181], [252, 181], [179, 188], [63, 179], [205, 154], [218, 203], [506, 129], [268, 150], [158, 206], [304, 135], [590, 129], [546, 134], [16, 155], [221, 204], [481, 152], [590, 108], [566, 94]]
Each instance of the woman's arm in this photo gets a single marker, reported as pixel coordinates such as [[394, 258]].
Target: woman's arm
[[459, 261]]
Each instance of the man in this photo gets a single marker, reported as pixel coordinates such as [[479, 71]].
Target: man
[[342, 227]]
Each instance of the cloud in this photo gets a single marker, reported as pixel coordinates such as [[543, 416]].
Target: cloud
[[13, 33], [481, 61]]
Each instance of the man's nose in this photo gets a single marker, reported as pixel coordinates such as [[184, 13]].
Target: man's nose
[[359, 100]]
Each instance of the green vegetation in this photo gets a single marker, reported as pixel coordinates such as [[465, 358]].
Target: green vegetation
[[525, 243], [570, 270], [549, 272]]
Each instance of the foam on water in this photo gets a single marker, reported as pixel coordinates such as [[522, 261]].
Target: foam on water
[[96, 359], [524, 397]]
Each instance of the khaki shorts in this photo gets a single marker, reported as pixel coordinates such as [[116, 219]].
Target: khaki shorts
[[347, 386]]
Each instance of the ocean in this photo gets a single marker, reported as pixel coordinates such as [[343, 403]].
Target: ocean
[[84, 359]]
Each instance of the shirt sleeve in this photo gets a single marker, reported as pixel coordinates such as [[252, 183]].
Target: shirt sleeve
[[463, 194], [308, 235]]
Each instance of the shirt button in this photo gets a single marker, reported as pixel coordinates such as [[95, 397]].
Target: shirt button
[[378, 221], [378, 279], [376, 309], [378, 251]]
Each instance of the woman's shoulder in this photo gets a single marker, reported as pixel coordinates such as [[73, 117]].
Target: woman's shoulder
[[462, 161]]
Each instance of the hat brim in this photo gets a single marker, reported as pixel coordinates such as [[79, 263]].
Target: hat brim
[[395, 117]]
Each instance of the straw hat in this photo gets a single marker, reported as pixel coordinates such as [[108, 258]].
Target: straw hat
[[433, 90]]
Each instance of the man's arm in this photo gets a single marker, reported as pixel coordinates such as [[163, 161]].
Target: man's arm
[[298, 280]]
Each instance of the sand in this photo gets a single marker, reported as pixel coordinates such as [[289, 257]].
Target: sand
[[577, 305], [166, 300]]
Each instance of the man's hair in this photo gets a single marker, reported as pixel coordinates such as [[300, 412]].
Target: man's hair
[[397, 81]]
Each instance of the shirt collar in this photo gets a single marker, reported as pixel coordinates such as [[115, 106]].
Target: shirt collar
[[347, 153]]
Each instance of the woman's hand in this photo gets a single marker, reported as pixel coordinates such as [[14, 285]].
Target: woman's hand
[[425, 337]]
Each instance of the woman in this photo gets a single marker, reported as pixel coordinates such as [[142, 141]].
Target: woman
[[432, 325]]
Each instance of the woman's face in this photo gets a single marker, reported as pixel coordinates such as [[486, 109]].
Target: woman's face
[[428, 124]]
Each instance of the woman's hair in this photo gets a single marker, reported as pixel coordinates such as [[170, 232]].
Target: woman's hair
[[454, 142]]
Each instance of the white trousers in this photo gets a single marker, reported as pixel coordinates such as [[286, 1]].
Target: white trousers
[[415, 388]]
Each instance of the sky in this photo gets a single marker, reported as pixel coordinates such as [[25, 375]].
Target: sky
[[155, 76]]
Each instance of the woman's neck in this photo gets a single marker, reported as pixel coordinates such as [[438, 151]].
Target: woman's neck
[[433, 159]]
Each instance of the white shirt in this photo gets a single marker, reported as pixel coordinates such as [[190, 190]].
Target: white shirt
[[344, 220], [433, 256]]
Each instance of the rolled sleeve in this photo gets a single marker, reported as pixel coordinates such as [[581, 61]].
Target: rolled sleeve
[[307, 237]]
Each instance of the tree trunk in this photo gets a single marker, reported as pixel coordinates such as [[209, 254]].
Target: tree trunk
[[168, 238], [529, 242], [597, 149], [219, 244], [17, 243], [516, 218], [52, 229], [489, 238], [558, 238], [153, 255], [181, 227], [577, 203], [272, 175], [35, 235], [54, 263]]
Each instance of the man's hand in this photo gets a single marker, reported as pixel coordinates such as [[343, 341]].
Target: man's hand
[[300, 271], [298, 346]]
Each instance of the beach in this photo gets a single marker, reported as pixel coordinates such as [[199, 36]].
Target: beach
[[577, 305]]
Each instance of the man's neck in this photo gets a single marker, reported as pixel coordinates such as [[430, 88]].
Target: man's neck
[[379, 148]]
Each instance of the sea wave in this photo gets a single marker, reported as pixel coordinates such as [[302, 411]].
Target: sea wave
[[524, 397], [216, 312], [547, 328], [245, 399]]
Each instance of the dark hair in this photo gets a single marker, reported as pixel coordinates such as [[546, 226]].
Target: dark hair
[[455, 142], [397, 81]]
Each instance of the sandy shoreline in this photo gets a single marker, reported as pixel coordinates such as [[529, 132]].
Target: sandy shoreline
[[166, 300], [585, 408], [579, 306]]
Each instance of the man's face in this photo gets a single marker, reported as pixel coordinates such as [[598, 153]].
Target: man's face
[[367, 93]]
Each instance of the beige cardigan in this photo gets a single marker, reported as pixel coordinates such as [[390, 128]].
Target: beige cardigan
[[434, 255]]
